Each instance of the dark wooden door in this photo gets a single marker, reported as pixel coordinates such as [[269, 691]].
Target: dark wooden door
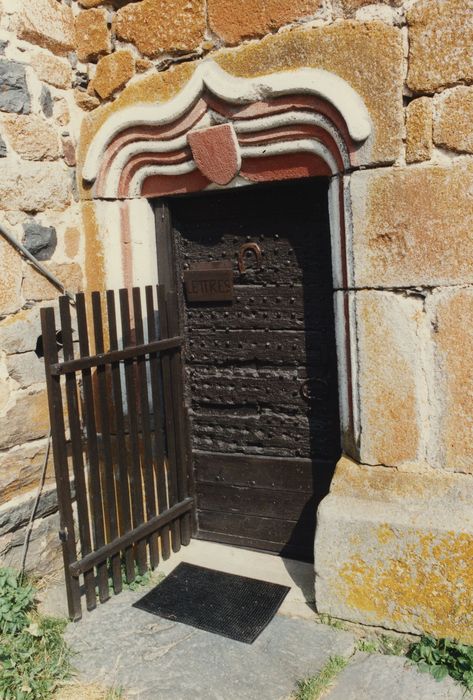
[[261, 373]]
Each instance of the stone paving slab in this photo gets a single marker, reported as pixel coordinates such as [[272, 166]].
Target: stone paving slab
[[155, 659], [376, 677]]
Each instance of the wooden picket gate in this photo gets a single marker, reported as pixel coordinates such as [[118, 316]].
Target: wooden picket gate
[[119, 437]]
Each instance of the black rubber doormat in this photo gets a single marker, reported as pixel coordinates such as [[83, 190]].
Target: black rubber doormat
[[232, 606]]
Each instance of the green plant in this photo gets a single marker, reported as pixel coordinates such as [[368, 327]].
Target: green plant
[[369, 646], [139, 580], [33, 654], [312, 688], [326, 619], [16, 600], [442, 657]]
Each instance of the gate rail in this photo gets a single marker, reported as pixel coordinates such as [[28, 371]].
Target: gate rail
[[118, 427]]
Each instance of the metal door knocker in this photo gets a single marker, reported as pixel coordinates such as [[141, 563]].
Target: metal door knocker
[[248, 247]]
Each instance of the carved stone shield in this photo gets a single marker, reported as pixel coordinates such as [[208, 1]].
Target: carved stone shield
[[216, 152]]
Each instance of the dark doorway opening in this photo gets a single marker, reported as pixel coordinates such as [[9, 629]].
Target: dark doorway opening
[[261, 381]]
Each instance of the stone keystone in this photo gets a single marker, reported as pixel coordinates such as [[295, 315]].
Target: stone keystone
[[216, 152]]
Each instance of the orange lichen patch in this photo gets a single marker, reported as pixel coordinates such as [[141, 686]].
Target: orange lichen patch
[[453, 330], [385, 533], [162, 26], [94, 252], [424, 578], [113, 72], [367, 55], [246, 19], [71, 242], [419, 117], [92, 35]]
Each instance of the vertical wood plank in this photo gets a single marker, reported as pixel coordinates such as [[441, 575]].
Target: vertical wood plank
[[96, 494], [75, 429], [169, 419], [110, 504], [56, 415], [121, 451], [145, 424], [136, 483], [158, 413], [182, 467]]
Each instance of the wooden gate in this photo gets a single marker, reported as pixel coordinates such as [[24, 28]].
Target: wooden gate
[[119, 437]]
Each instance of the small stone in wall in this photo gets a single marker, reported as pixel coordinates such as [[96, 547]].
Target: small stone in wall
[[92, 35], [61, 111], [53, 70], [3, 45], [47, 23], [161, 26], [46, 101], [85, 101], [454, 123], [3, 148], [68, 151], [14, 95], [113, 72], [41, 241], [32, 138], [419, 130]]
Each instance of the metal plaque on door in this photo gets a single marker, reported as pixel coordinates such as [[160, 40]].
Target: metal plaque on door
[[209, 281]]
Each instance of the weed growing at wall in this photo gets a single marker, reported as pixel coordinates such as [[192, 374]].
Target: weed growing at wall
[[313, 688], [33, 654], [444, 657]]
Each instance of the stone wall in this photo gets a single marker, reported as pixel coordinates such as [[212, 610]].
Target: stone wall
[[68, 66]]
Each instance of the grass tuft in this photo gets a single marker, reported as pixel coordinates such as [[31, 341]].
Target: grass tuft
[[313, 688]]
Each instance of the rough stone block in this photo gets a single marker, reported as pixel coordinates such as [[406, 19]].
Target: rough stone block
[[235, 21], [113, 72], [44, 557], [92, 35], [367, 55], [404, 562], [31, 137], [20, 471], [440, 41], [451, 314], [390, 377], [452, 128], [26, 369], [61, 111], [419, 118], [47, 23], [85, 101], [412, 226], [26, 418], [14, 95], [351, 6], [33, 187], [37, 288], [46, 102], [53, 70], [10, 279], [19, 333], [41, 241], [162, 26]]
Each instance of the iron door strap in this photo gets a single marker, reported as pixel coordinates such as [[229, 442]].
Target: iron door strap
[[246, 248]]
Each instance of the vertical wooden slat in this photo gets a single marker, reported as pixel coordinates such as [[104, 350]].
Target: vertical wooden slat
[[93, 453], [145, 424], [77, 451], [136, 484], [110, 504], [182, 468], [159, 435], [169, 419], [56, 415], [121, 451]]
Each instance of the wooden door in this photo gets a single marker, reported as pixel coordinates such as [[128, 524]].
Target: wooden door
[[261, 373]]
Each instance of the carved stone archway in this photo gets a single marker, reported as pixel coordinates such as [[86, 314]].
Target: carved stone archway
[[224, 131]]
